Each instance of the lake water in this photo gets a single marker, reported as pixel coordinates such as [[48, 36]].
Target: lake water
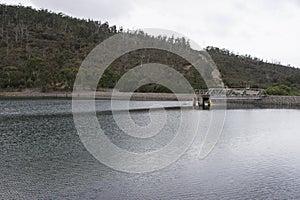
[[42, 157]]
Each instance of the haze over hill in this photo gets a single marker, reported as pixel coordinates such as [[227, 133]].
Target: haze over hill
[[43, 50]]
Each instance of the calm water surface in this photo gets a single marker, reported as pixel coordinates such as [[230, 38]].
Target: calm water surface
[[42, 157]]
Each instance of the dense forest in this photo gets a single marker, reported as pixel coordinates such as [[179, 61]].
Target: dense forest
[[42, 50]]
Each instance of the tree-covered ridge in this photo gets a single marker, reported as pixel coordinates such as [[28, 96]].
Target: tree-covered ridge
[[143, 56], [39, 48], [43, 50], [242, 70]]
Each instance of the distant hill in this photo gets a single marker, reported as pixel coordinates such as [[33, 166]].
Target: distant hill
[[43, 50], [239, 70]]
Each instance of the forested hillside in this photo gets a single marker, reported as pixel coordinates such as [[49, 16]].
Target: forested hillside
[[42, 50], [242, 70]]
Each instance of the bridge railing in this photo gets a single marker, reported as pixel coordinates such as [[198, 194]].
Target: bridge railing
[[254, 92]]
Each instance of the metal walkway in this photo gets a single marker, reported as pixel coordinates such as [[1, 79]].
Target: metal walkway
[[233, 93]]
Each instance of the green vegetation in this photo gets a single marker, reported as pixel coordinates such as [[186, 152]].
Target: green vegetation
[[283, 90], [43, 50], [242, 70]]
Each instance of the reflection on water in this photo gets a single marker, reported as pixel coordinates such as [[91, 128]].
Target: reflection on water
[[42, 157]]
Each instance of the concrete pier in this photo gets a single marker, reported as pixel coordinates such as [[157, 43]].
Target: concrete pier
[[202, 101]]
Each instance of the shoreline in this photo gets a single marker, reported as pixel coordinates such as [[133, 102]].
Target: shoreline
[[100, 95], [107, 95]]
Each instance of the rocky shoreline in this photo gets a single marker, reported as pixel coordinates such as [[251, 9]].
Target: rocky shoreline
[[293, 101], [268, 100], [282, 100], [100, 95]]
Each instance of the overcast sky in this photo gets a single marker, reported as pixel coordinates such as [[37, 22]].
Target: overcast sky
[[268, 29]]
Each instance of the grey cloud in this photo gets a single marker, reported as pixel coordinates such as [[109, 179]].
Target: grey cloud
[[96, 9], [256, 27]]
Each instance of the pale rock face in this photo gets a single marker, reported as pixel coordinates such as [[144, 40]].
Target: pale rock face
[[217, 77]]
